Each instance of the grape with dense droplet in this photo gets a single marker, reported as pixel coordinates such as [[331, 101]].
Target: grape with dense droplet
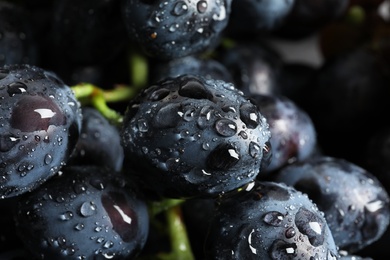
[[191, 136], [268, 220], [89, 212], [355, 203], [173, 29], [40, 122]]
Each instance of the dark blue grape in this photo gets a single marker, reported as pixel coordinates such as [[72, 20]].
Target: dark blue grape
[[173, 29], [40, 122], [99, 142], [89, 212], [268, 220], [191, 136], [355, 204], [293, 135]]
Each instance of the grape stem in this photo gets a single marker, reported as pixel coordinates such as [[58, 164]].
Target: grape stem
[[89, 94], [180, 244]]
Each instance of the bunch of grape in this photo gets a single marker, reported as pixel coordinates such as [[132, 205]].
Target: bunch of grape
[[183, 129]]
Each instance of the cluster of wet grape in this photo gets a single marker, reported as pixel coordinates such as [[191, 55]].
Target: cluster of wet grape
[[183, 130]]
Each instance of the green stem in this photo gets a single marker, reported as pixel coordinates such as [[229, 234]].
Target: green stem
[[156, 207], [100, 104], [180, 244], [138, 70], [90, 94], [119, 93], [83, 90]]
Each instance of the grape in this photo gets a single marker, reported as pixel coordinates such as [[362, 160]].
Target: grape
[[181, 100]]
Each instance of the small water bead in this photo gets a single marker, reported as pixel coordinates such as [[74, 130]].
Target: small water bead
[[206, 146], [180, 8], [173, 27], [254, 149], [273, 218], [143, 126], [79, 188], [88, 209], [228, 109], [290, 232], [249, 114], [108, 244], [226, 127], [46, 139], [66, 216], [172, 164], [97, 183], [48, 159], [79, 227], [201, 6], [204, 118], [282, 250]]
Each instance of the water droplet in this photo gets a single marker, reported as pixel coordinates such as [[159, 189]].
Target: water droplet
[[143, 126], [189, 115], [180, 8], [228, 109], [173, 27], [98, 229], [7, 142], [22, 168], [194, 89], [282, 250], [204, 117], [223, 157], [201, 6], [254, 149], [79, 188], [16, 88], [310, 225], [290, 232], [168, 116], [48, 159], [249, 114], [206, 146], [79, 227], [66, 216], [243, 134], [226, 127], [97, 183], [88, 209], [108, 244], [159, 94], [273, 218]]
